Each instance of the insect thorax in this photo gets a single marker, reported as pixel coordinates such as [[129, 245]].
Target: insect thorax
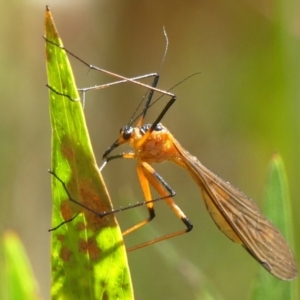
[[158, 146]]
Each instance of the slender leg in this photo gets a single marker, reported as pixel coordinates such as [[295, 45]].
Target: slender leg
[[148, 174], [108, 72], [150, 205], [62, 223]]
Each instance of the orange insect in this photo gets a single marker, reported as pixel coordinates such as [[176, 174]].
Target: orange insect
[[233, 212]]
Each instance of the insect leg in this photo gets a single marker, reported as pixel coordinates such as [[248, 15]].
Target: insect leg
[[147, 104], [150, 205], [108, 72], [62, 223], [99, 214], [158, 119], [148, 174]]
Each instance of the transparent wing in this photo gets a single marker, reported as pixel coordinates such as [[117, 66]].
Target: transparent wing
[[240, 219]]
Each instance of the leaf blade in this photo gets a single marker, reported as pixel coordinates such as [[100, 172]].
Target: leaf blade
[[277, 207], [89, 250]]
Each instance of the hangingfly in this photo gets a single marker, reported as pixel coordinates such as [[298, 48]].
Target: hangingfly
[[237, 216]]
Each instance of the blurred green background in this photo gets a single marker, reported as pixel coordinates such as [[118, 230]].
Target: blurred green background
[[241, 108]]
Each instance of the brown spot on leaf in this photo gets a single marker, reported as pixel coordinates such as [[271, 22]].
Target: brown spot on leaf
[[105, 296], [48, 54], [82, 245], [81, 226], [65, 253], [92, 200], [103, 284], [65, 210], [61, 237], [89, 247], [67, 151], [93, 249], [94, 222], [124, 286]]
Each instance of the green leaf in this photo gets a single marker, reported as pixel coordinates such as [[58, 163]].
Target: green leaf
[[88, 255], [277, 208], [17, 281]]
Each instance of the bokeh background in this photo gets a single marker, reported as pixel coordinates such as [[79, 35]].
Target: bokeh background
[[243, 106]]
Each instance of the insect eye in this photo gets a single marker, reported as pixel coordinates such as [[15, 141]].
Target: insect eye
[[126, 132], [158, 127]]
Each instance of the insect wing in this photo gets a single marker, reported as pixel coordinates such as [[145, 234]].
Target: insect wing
[[241, 220]]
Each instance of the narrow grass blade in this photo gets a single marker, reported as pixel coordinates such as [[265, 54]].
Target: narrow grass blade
[[17, 280], [278, 209]]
